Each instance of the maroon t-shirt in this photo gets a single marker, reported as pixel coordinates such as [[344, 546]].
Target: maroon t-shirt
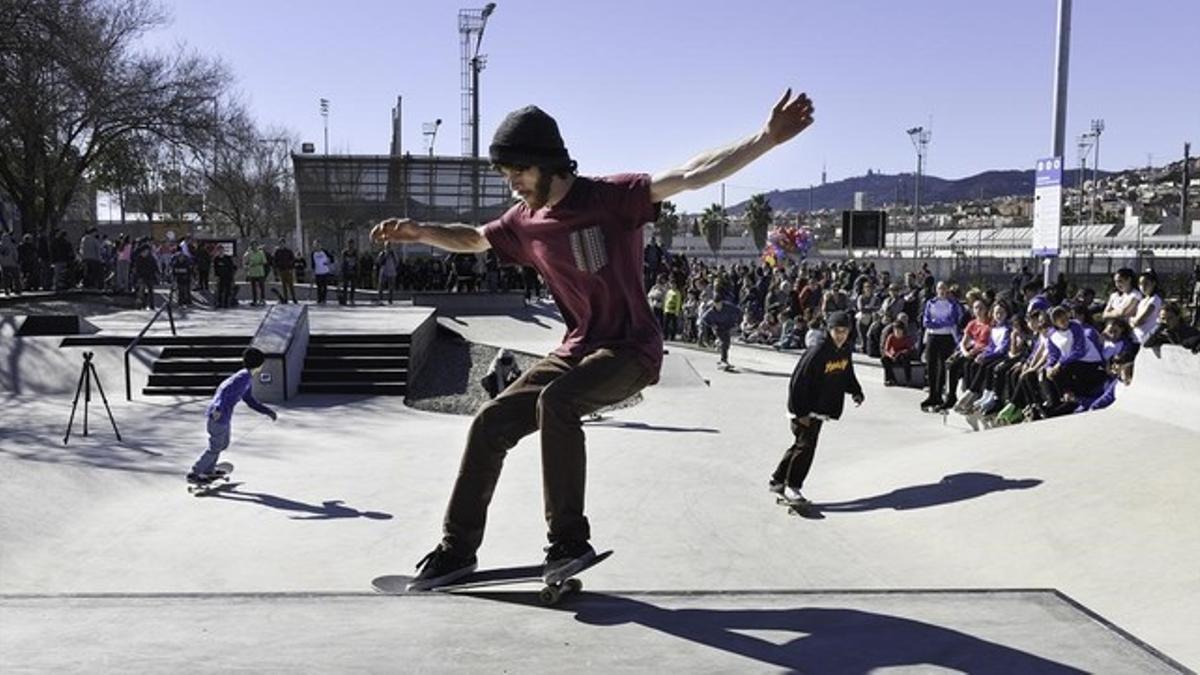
[[588, 248]]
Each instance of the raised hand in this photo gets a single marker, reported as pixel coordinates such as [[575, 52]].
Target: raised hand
[[399, 230], [789, 117]]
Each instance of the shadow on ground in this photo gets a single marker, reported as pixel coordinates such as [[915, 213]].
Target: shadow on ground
[[953, 488], [642, 426], [332, 509], [827, 640]]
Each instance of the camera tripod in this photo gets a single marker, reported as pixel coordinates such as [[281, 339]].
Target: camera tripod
[[85, 386]]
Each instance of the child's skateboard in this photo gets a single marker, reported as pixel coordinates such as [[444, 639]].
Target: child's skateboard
[[397, 584], [220, 477]]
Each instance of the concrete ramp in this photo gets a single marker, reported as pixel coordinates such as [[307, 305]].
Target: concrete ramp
[[1166, 387], [813, 631], [678, 371]]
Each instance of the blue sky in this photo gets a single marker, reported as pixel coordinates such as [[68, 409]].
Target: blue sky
[[642, 85]]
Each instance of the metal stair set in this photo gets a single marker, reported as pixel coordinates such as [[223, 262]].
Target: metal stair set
[[356, 364]]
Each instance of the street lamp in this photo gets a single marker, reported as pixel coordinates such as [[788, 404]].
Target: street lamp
[[920, 139], [429, 130], [473, 23]]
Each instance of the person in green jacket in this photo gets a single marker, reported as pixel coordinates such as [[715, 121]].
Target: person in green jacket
[[672, 309], [254, 261]]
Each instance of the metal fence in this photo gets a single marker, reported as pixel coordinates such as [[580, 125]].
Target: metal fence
[[358, 189]]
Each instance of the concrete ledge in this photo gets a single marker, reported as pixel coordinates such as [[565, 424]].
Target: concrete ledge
[[812, 631], [471, 303], [1166, 384]]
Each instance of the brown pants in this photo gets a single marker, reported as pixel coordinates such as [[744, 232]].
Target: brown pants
[[287, 284], [551, 397]]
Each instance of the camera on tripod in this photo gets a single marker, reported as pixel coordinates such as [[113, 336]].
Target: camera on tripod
[[85, 387]]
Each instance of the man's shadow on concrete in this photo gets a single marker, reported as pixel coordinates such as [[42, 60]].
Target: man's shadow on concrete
[[642, 426], [332, 509], [828, 640], [953, 488]]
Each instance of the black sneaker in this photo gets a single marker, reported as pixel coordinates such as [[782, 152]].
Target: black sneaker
[[440, 567], [204, 478], [776, 487], [565, 558]]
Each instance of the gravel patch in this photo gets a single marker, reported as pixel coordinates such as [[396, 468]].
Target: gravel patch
[[450, 380]]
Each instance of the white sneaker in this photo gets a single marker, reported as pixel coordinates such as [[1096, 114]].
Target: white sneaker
[[793, 496]]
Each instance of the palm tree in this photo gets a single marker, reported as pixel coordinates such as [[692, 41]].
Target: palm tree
[[713, 223], [667, 224], [758, 218]]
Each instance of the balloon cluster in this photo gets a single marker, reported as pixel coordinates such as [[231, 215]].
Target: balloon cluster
[[785, 242]]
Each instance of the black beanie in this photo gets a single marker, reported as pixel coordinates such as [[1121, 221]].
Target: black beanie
[[528, 137], [839, 320]]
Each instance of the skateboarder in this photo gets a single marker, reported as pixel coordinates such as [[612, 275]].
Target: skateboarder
[[219, 414], [584, 236], [819, 384]]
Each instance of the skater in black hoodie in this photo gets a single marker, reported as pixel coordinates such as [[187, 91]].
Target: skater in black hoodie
[[819, 384]]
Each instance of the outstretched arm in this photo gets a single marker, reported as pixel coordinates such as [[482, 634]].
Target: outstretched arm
[[455, 238], [788, 118]]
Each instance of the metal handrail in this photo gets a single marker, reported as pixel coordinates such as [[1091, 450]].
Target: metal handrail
[[138, 339]]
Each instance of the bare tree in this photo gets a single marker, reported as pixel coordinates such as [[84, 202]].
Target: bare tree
[[249, 187], [72, 86]]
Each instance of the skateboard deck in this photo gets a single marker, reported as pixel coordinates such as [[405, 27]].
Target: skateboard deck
[[397, 584], [795, 508], [210, 486]]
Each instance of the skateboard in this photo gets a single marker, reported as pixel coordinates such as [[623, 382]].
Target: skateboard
[[397, 584], [212, 485], [804, 508]]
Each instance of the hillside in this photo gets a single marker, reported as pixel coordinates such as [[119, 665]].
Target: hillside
[[881, 188]]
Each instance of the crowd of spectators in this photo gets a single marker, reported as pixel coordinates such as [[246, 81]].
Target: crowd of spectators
[[51, 262], [997, 355]]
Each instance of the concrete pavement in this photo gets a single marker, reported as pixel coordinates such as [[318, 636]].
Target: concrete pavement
[[343, 489]]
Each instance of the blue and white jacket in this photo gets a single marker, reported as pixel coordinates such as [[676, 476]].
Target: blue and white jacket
[[1071, 345], [998, 340], [236, 387], [942, 316]]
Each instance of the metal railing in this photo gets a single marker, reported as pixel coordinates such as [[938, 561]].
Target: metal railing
[[132, 345]]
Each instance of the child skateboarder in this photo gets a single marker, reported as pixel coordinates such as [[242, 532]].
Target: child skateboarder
[[819, 384], [219, 414], [722, 317]]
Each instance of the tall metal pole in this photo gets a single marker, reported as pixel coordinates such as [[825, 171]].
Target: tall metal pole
[[917, 209], [1097, 129], [1062, 68], [1183, 197], [475, 135], [476, 66], [325, 118]]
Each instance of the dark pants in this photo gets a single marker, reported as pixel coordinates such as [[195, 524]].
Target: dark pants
[[258, 289], [983, 375], [225, 291], [550, 397], [670, 326], [797, 460], [1029, 389], [322, 288], [905, 361], [349, 283], [1002, 380], [938, 348]]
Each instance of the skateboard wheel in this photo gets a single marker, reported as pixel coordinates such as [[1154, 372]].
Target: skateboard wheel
[[573, 585], [550, 595]]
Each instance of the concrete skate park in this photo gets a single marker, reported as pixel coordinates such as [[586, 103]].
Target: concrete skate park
[[1065, 545]]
